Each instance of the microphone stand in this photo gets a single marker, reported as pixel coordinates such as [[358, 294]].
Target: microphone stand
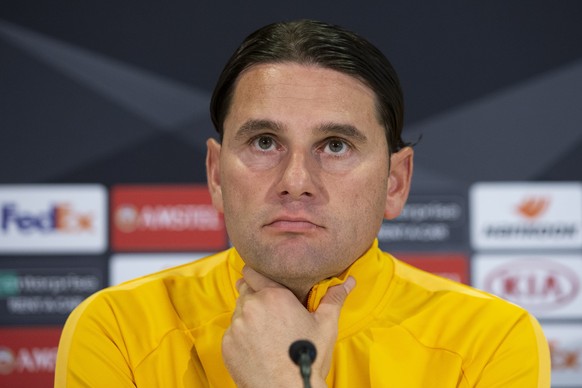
[[303, 353]]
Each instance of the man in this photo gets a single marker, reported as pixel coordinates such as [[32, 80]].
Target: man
[[310, 160]]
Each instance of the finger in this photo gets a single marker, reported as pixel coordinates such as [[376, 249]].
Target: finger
[[332, 302], [257, 281], [239, 283], [242, 287], [244, 291]]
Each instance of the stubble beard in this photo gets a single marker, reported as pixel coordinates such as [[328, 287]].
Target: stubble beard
[[295, 262]]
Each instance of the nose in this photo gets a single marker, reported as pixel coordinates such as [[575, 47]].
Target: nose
[[299, 177]]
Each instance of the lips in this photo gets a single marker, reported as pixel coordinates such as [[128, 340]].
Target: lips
[[292, 224]]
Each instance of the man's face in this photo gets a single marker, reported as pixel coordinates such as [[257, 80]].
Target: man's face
[[302, 172]]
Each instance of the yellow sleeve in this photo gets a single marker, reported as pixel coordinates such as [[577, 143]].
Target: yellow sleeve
[[521, 360], [91, 352]]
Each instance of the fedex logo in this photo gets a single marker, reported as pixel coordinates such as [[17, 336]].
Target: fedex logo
[[60, 217], [565, 341], [49, 219]]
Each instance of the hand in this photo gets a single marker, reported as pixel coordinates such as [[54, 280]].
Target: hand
[[267, 319]]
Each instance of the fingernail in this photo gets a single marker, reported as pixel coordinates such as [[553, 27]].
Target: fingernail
[[349, 284], [238, 283]]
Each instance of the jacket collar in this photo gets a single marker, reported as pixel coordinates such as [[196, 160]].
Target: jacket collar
[[373, 272]]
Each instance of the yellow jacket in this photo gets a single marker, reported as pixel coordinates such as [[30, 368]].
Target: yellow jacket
[[400, 327]]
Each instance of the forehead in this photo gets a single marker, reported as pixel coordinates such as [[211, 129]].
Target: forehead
[[307, 91]]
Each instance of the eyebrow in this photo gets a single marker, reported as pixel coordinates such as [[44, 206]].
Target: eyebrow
[[346, 130], [253, 126]]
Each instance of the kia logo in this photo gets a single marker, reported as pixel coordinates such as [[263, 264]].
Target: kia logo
[[534, 284]]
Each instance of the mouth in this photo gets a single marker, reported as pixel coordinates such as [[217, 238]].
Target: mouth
[[292, 225]]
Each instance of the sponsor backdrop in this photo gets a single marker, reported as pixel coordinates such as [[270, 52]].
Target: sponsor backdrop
[[104, 118]]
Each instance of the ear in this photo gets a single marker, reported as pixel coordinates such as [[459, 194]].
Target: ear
[[401, 164], [213, 173]]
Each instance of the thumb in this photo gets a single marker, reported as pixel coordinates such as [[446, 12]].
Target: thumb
[[334, 299]]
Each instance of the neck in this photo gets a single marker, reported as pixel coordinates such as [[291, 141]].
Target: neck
[[299, 289]]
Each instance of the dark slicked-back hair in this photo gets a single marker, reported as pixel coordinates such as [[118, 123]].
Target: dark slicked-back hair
[[312, 42]]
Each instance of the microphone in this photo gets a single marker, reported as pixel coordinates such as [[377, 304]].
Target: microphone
[[303, 353]]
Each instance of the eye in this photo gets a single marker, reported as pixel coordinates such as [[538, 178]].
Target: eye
[[336, 147], [264, 143]]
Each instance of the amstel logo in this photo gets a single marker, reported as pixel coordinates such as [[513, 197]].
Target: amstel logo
[[163, 218], [126, 218], [6, 360], [29, 360]]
